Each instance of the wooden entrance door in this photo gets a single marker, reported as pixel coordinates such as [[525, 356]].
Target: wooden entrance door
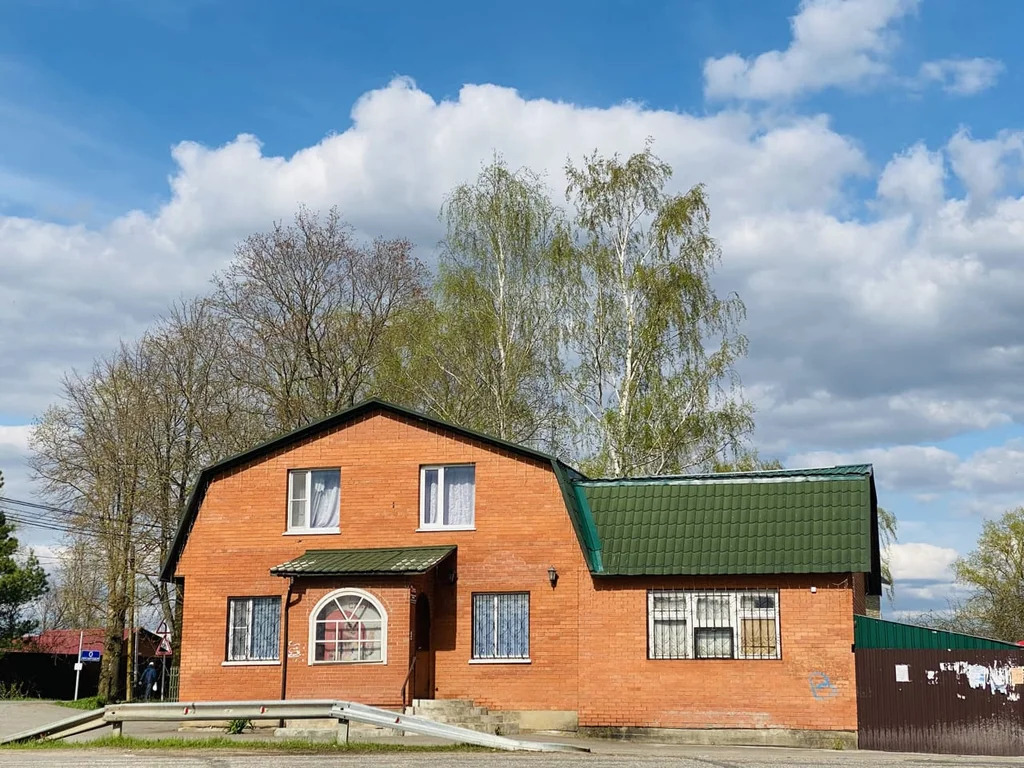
[[423, 687]]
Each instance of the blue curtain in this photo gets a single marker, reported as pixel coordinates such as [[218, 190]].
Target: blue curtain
[[501, 626], [266, 628], [483, 626]]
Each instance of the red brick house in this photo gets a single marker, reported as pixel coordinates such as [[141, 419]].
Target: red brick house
[[381, 555]]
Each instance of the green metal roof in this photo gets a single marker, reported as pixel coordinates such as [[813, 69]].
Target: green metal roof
[[789, 521], [340, 562], [878, 633]]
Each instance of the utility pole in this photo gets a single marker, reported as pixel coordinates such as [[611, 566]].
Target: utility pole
[[130, 661]]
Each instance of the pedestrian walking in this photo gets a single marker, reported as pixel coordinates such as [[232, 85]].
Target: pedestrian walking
[[148, 681]]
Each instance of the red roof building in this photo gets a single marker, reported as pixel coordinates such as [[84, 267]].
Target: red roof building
[[64, 642]]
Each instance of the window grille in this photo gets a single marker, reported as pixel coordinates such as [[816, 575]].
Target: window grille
[[254, 629], [713, 624], [501, 625]]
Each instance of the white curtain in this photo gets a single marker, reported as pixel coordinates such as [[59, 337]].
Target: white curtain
[[430, 497], [459, 495], [326, 493], [669, 641]]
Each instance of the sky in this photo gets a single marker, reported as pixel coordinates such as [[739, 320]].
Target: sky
[[864, 161]]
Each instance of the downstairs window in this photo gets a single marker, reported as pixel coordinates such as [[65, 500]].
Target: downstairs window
[[713, 624]]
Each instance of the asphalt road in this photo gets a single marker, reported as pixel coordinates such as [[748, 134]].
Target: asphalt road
[[17, 716], [639, 756]]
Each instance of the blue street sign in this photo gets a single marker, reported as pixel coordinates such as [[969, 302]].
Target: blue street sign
[[90, 656]]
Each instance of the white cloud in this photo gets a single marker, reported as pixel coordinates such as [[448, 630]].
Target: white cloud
[[918, 561], [915, 180], [388, 173], [899, 326], [835, 43], [15, 437], [994, 470], [962, 77], [901, 467], [986, 166], [13, 454], [991, 475]]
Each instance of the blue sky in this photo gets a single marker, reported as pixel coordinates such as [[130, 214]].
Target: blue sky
[[115, 84], [864, 160]]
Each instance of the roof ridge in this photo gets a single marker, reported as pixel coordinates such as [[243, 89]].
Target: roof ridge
[[836, 472]]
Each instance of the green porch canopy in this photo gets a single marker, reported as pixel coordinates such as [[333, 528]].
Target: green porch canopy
[[364, 562]]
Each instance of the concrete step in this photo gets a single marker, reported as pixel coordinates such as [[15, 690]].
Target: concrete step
[[465, 714], [442, 703], [436, 712]]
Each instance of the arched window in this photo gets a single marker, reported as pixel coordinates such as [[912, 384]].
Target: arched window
[[349, 626]]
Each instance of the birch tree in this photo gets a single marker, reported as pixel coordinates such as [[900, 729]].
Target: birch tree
[[651, 345], [492, 341], [993, 574]]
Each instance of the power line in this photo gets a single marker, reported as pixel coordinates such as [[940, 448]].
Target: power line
[[67, 512], [20, 519]]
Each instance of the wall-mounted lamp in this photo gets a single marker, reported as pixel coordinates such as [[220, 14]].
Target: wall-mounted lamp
[[552, 576], [452, 576]]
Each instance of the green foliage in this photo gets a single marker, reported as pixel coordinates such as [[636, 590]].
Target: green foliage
[[653, 386], [15, 691], [746, 461], [994, 574], [239, 725], [22, 581], [486, 352], [87, 703], [887, 536]]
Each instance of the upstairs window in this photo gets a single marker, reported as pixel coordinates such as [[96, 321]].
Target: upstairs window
[[314, 498], [713, 624], [448, 497]]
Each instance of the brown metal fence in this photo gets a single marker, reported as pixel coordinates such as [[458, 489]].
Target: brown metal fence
[[953, 702]]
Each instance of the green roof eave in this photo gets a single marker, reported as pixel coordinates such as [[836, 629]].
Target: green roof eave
[[579, 514], [384, 561]]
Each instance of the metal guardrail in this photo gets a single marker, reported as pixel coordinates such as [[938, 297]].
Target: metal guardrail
[[115, 715], [361, 713], [220, 710]]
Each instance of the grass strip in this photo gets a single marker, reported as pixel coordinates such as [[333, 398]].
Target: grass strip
[[283, 746], [90, 702]]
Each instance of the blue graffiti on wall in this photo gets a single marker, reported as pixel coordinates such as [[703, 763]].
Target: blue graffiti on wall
[[821, 686]]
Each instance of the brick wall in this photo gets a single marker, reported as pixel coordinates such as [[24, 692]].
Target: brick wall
[[521, 529], [811, 686], [588, 637]]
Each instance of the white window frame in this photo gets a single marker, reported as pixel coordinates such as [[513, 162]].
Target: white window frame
[[348, 591], [440, 526], [248, 660], [306, 529], [735, 613]]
